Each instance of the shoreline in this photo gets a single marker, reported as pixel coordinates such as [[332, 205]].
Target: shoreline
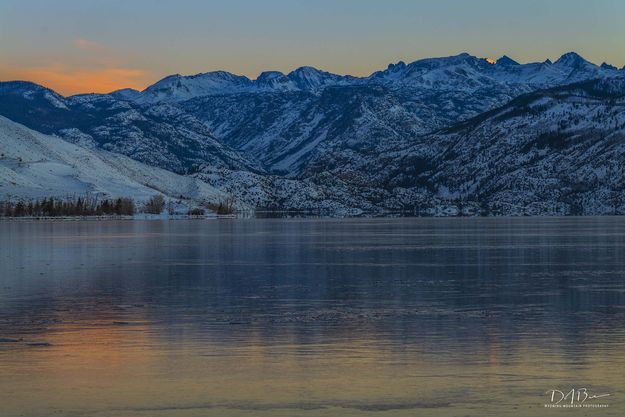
[[148, 217], [279, 215]]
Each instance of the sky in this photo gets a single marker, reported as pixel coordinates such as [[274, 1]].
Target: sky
[[102, 45]]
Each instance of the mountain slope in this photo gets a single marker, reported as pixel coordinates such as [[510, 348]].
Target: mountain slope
[[34, 165], [297, 133], [160, 135], [310, 127], [559, 150]]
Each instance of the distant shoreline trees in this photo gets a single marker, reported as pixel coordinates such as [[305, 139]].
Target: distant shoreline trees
[[223, 208], [155, 205], [74, 206], [93, 206]]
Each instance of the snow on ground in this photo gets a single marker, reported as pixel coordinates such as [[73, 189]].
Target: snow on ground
[[34, 165]]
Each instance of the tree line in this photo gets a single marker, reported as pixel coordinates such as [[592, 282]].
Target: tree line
[[76, 206], [93, 206]]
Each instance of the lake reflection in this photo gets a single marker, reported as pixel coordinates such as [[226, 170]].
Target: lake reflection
[[382, 317]]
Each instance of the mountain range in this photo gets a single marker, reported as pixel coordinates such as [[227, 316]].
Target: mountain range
[[440, 136]]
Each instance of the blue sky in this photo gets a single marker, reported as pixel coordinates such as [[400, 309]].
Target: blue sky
[[97, 45]]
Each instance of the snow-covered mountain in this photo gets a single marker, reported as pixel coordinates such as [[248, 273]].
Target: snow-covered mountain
[[288, 133], [161, 135], [468, 72], [178, 88], [34, 165], [560, 150], [553, 151], [461, 72], [309, 126], [398, 139], [286, 124]]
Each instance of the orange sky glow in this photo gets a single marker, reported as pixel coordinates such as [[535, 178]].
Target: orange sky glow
[[75, 46], [70, 81]]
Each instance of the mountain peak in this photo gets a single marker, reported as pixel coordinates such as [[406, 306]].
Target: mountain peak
[[570, 59], [306, 70], [606, 66], [126, 94], [507, 61], [183, 87], [269, 75], [30, 91], [438, 62], [216, 75], [396, 67], [19, 85], [274, 80], [313, 79], [463, 56]]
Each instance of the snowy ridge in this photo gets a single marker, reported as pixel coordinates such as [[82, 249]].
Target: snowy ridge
[[463, 71], [161, 135], [177, 88]]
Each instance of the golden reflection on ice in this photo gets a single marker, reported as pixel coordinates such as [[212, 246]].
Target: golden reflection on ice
[[108, 369]]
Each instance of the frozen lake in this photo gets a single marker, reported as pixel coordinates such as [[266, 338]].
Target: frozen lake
[[365, 317]]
